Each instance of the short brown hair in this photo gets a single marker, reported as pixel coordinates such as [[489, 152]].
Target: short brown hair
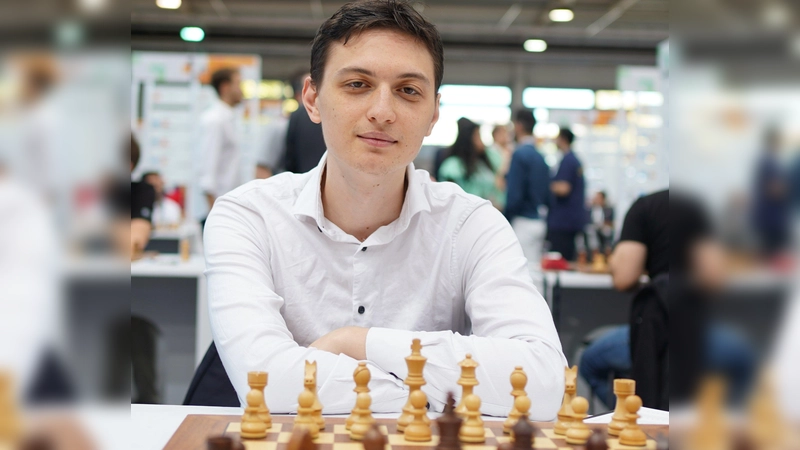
[[222, 76], [134, 152], [358, 16]]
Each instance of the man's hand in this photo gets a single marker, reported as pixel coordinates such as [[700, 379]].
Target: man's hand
[[561, 188], [352, 341]]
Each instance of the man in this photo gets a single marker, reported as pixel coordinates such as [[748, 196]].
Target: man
[[220, 170], [567, 211], [357, 257], [528, 188], [305, 144], [601, 225], [141, 200], [166, 211], [772, 202]]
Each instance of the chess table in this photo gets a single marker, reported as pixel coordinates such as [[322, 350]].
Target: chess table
[[196, 429]]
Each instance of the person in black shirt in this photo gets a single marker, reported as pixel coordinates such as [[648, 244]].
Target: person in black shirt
[[142, 197], [305, 144]]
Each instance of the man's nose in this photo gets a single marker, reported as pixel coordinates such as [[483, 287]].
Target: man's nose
[[382, 106]]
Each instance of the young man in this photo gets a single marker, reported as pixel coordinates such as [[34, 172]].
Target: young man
[[357, 257], [166, 211], [528, 181], [567, 215], [220, 172]]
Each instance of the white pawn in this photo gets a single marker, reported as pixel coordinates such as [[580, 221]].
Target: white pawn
[[578, 432], [305, 413], [419, 430], [363, 419], [472, 429], [522, 405]]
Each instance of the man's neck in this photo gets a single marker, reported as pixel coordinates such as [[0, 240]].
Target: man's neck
[[359, 204]]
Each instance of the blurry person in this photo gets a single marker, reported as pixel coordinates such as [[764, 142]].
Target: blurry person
[[142, 198], [501, 146], [567, 215], [220, 172], [305, 144], [601, 221], [771, 198], [527, 188], [166, 211], [470, 166]]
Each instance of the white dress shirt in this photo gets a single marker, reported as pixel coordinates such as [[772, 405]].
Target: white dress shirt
[[166, 212], [220, 171], [449, 271]]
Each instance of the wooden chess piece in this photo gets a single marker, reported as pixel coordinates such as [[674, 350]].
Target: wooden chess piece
[[305, 413], [599, 262], [449, 425], [415, 362], [468, 381], [374, 439], [364, 419], [518, 382], [361, 376], [37, 442], [565, 413], [310, 382], [418, 430], [258, 380], [252, 425], [301, 439], [219, 443], [662, 443], [522, 405], [472, 430], [632, 435], [184, 249], [10, 422], [622, 389], [578, 432], [597, 441], [505, 446], [522, 434]]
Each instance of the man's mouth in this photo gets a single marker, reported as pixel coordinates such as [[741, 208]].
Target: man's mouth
[[377, 139]]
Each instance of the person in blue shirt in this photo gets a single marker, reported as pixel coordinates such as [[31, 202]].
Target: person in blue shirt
[[527, 188], [567, 214], [771, 218]]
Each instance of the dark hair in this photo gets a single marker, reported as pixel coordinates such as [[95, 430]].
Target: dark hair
[[151, 173], [524, 117], [134, 152], [603, 193], [222, 76], [566, 135], [356, 17], [464, 147]]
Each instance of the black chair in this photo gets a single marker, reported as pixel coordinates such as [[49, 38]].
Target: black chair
[[210, 385]]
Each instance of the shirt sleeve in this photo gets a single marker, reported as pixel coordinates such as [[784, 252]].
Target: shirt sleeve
[[142, 198], [211, 148], [634, 227], [249, 330], [566, 170], [511, 326], [515, 185]]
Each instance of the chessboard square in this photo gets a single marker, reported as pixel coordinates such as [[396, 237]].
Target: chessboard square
[[399, 439], [613, 444], [543, 443], [550, 433], [234, 427], [284, 437], [503, 439], [489, 433], [275, 428], [349, 446], [477, 447], [259, 445], [339, 428], [324, 438]]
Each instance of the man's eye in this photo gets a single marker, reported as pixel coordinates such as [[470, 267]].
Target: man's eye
[[410, 91], [356, 84]]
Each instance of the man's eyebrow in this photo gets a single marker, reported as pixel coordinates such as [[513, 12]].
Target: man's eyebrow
[[361, 70]]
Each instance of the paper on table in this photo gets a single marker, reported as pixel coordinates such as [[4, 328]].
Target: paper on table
[[647, 416]]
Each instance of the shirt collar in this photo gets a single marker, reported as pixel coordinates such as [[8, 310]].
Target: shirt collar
[[309, 204]]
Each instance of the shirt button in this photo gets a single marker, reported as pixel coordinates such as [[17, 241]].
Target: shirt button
[[361, 310], [363, 249]]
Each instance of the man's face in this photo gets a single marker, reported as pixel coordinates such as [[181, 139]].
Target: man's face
[[235, 94], [376, 102], [158, 184]]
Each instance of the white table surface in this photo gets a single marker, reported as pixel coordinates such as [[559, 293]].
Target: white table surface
[[167, 265], [153, 425]]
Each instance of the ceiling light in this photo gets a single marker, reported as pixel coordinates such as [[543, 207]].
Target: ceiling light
[[535, 45], [192, 34], [168, 4], [561, 15]]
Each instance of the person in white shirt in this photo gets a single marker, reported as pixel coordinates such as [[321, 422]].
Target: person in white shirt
[[166, 211], [220, 172], [352, 260]]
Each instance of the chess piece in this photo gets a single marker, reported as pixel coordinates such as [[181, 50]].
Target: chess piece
[[305, 413], [662, 443], [415, 381], [597, 441], [449, 424], [518, 382], [37, 442], [622, 389], [374, 438], [711, 431], [578, 432], [418, 430], [10, 422], [522, 405], [253, 427], [185, 253], [565, 413], [472, 429], [505, 446], [219, 443], [467, 381], [258, 381], [301, 439], [310, 382], [633, 435], [599, 262], [522, 434], [364, 419], [361, 376], [582, 259]]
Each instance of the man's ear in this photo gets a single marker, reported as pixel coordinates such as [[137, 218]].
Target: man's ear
[[310, 97], [435, 115]]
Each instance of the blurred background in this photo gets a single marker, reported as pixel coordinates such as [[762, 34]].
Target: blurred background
[[701, 98]]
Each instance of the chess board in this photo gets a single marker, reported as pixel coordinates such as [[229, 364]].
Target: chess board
[[195, 429]]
